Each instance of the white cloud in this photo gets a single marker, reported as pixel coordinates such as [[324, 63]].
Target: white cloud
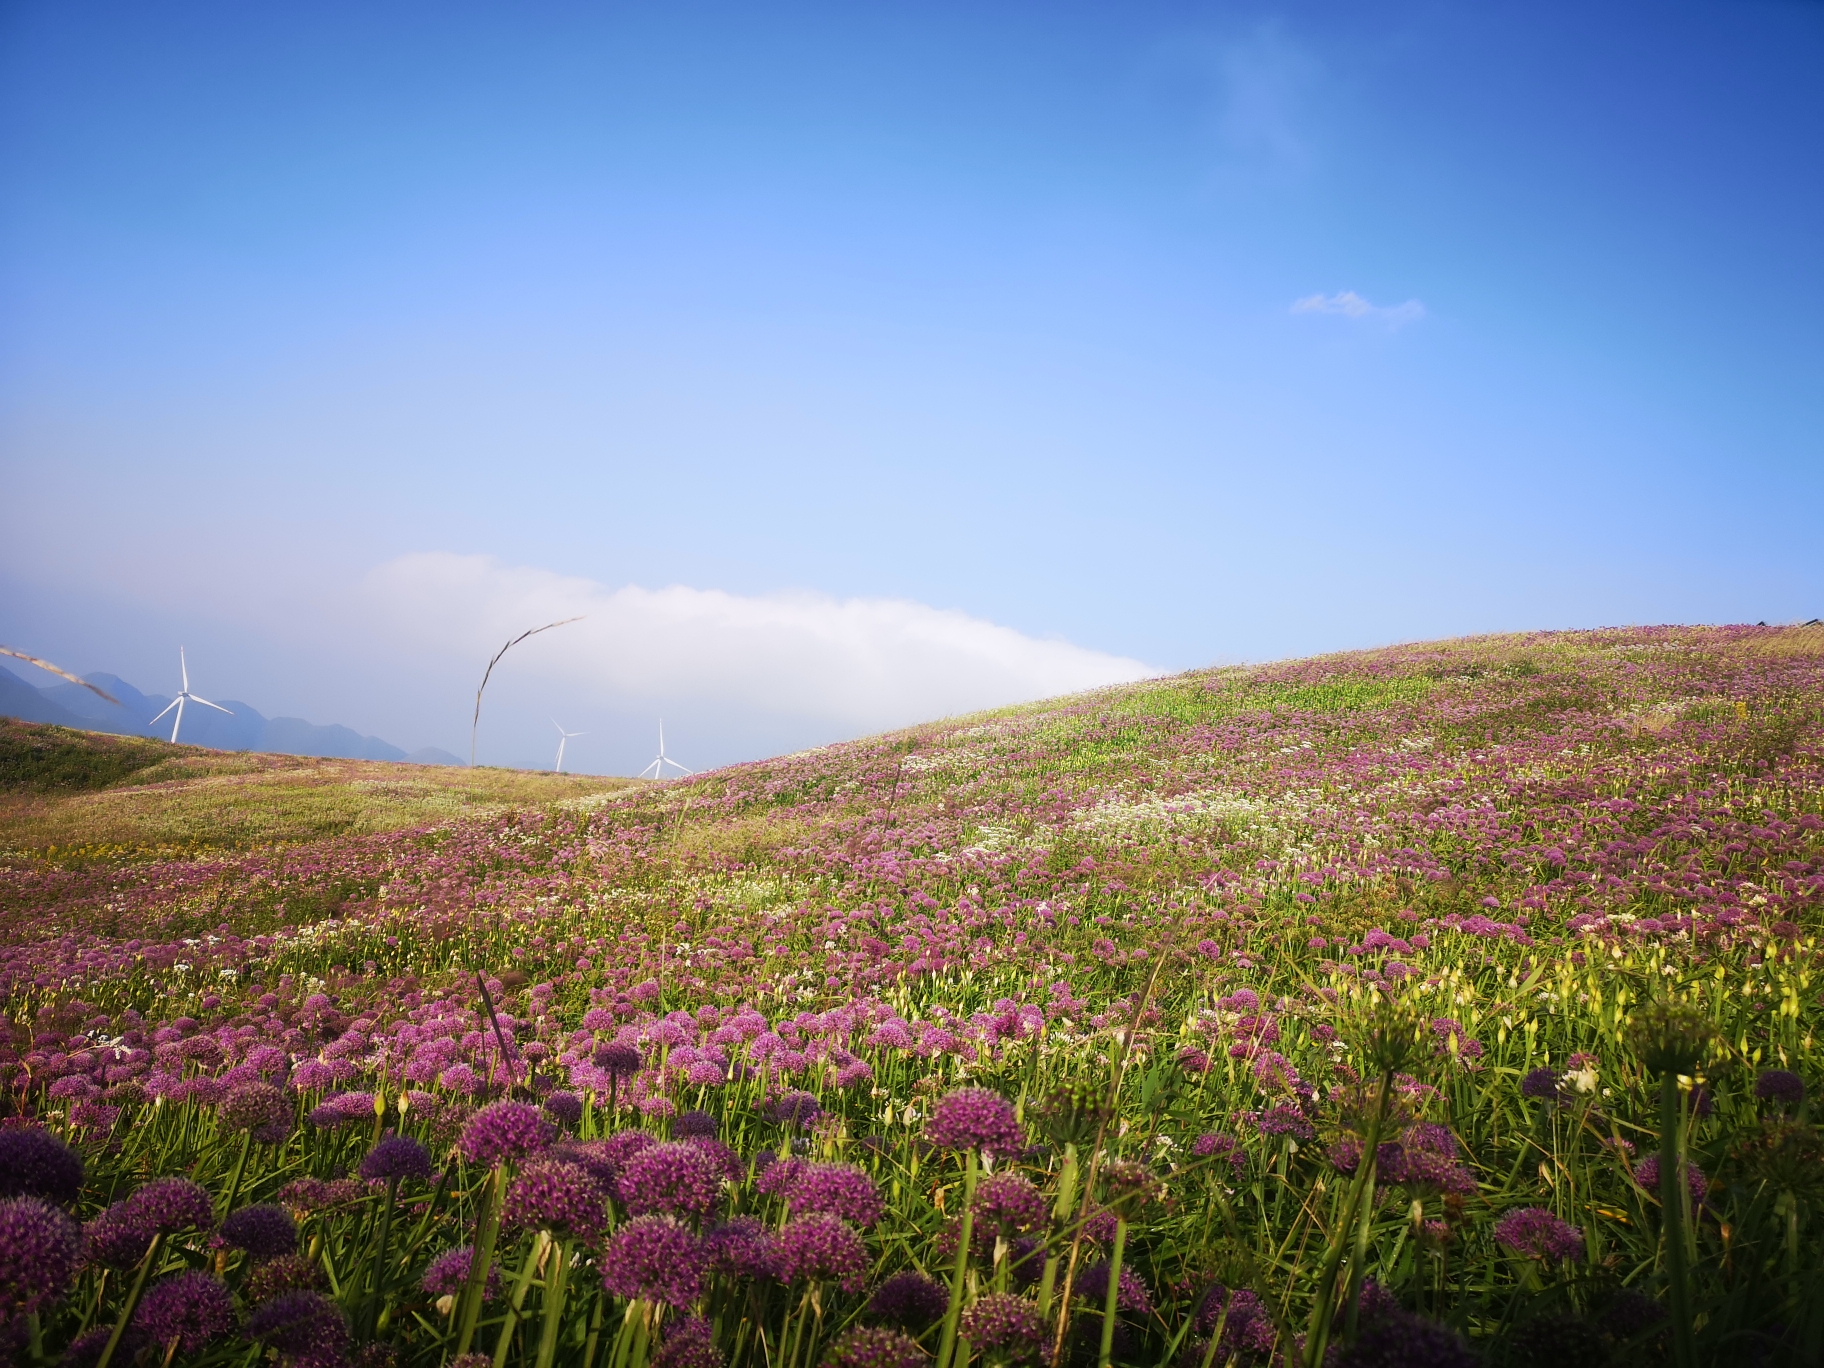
[[1351, 305], [856, 664]]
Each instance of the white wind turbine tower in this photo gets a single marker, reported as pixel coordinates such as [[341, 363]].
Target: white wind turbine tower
[[185, 696], [563, 736], [657, 768]]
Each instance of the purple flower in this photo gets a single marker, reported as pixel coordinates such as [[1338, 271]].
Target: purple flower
[[254, 1107], [395, 1159], [838, 1189], [1246, 1326], [1132, 1294], [975, 1118], [656, 1258], [264, 1231], [793, 1109], [1541, 1084], [820, 1248], [910, 1299], [1008, 1204], [1211, 1144], [1399, 1339], [503, 1131], [40, 1248], [691, 1125], [305, 1327], [191, 1308], [558, 1197], [689, 1343], [1646, 1173], [1538, 1234], [85, 1350], [1778, 1085], [287, 1273], [565, 1108], [169, 1205], [448, 1274], [874, 1346], [740, 1247], [1001, 1325], [676, 1178], [618, 1060], [118, 1237], [35, 1163]]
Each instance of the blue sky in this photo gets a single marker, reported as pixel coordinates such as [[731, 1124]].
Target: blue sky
[[851, 364]]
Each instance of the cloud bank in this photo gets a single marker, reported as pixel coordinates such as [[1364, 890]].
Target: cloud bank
[[1351, 305], [854, 664]]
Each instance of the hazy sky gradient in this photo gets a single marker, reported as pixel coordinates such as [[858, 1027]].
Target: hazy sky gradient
[[1016, 346]]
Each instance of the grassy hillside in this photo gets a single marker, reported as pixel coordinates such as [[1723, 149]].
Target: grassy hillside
[[1492, 910], [76, 796]]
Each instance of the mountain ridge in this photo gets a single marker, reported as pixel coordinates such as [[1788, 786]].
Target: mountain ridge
[[244, 729]]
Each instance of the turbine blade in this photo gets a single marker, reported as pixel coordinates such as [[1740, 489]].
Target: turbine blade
[[179, 720], [207, 704], [172, 704], [184, 666]]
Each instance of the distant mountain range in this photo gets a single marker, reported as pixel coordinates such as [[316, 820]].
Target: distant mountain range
[[70, 705]]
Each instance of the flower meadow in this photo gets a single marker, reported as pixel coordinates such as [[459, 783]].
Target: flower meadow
[[1438, 1005]]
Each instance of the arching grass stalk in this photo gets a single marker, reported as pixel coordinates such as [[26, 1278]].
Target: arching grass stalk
[[954, 1311], [1111, 1298], [1060, 1214], [377, 1279], [1324, 1308], [541, 1246], [240, 1167], [487, 1231], [132, 1301]]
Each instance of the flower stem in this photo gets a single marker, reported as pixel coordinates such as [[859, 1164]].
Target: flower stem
[[1672, 1210], [487, 1230], [954, 1311], [132, 1302], [1111, 1298]]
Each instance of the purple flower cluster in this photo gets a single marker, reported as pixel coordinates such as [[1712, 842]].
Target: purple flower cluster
[[875, 1346], [910, 1299], [189, 1308], [448, 1274], [820, 1248], [395, 1159], [1246, 1326], [1781, 1086], [1646, 1173], [306, 1328], [1009, 1204], [40, 1248], [559, 1197], [1538, 1234], [837, 1189], [504, 1131], [689, 1343], [975, 1118], [676, 1178], [1003, 1326], [35, 1163], [656, 1258], [1130, 1295], [263, 1232]]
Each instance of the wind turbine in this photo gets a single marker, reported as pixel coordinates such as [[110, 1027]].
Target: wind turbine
[[185, 696], [563, 736], [657, 768]]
